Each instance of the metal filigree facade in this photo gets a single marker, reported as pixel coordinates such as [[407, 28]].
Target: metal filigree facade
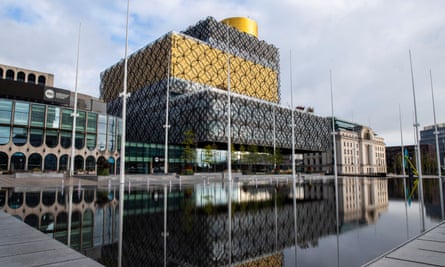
[[197, 64]]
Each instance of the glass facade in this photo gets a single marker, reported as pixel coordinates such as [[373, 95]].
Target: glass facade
[[5, 134], [5, 111], [102, 132], [21, 113], [53, 117], [36, 137], [38, 115], [49, 128]]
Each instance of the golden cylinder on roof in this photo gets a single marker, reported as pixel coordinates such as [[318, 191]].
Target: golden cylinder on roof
[[243, 24]]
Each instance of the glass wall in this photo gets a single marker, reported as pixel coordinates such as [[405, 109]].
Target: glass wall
[[52, 138], [36, 137], [102, 132], [111, 133], [5, 134], [21, 113], [5, 111], [38, 115], [19, 136], [53, 117], [67, 120], [65, 139]]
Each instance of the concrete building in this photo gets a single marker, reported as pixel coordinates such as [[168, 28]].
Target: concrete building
[[360, 151], [36, 127]]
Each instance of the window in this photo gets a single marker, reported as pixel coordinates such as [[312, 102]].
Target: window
[[90, 163], [10, 75], [5, 111], [102, 132], [37, 115], [80, 140], [67, 120], [21, 76], [63, 162], [36, 137], [51, 162], [5, 134], [52, 138], [65, 139], [35, 162], [92, 123], [19, 136], [21, 113], [111, 133], [31, 78], [80, 121], [91, 141], [53, 117], [42, 80]]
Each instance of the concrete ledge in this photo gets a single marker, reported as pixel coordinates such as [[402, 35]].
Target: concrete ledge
[[39, 175], [22, 245]]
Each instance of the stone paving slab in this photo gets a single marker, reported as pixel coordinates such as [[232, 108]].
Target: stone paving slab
[[22, 245], [427, 249]]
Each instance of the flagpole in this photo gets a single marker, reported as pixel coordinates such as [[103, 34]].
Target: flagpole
[[167, 126], [124, 96], [294, 180], [419, 160], [335, 169], [403, 172], [436, 133], [74, 114], [73, 140], [229, 149]]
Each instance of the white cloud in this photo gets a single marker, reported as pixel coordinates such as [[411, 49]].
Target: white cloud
[[364, 43]]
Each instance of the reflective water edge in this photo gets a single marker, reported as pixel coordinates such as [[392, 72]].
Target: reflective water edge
[[187, 225]]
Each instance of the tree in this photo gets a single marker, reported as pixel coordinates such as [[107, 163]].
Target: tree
[[208, 156], [189, 153]]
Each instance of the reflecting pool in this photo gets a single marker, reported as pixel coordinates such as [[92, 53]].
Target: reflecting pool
[[187, 224]]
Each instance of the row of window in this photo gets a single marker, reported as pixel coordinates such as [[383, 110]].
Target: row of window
[[51, 138], [51, 163], [21, 77], [28, 119]]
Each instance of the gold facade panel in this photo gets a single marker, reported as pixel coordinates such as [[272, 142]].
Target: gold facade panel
[[195, 61]]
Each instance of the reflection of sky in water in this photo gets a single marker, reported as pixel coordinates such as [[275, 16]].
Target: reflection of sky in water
[[364, 242]]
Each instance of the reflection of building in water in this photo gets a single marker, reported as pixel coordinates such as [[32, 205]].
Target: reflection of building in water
[[362, 199], [197, 220], [93, 224], [197, 224]]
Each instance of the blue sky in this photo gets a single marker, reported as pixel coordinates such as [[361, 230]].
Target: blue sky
[[364, 43]]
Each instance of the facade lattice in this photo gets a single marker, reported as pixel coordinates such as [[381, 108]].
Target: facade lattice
[[195, 66]]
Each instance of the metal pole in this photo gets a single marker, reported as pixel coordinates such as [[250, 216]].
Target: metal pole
[[70, 211], [419, 160], [294, 180], [403, 173], [74, 114], [122, 153], [167, 126], [335, 170], [229, 149], [165, 234], [436, 132]]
